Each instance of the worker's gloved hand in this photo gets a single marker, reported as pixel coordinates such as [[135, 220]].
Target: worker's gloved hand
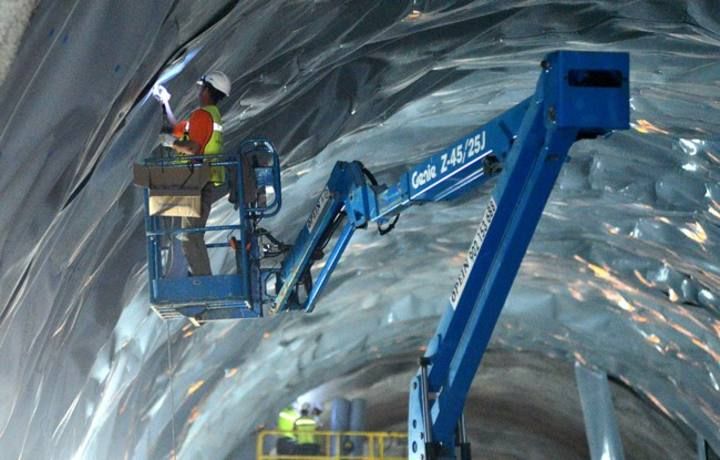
[[167, 139], [160, 94]]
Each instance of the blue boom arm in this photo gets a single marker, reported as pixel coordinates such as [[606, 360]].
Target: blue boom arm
[[351, 201], [578, 95]]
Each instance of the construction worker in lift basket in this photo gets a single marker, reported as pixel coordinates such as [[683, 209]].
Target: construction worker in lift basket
[[286, 442], [201, 134], [305, 428]]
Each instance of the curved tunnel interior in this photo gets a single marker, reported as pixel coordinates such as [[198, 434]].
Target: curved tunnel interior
[[622, 273], [522, 406]]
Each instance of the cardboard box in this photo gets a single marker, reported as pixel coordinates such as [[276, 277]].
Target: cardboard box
[[174, 191], [166, 177], [176, 203]]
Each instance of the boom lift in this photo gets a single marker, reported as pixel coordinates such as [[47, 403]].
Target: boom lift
[[206, 298], [579, 95]]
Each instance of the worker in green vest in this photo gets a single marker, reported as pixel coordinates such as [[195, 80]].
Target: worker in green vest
[[305, 428], [201, 134], [286, 426]]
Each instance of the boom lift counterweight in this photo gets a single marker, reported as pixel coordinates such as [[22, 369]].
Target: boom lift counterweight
[[579, 95]]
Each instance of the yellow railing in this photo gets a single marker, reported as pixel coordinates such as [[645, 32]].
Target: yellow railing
[[336, 445]]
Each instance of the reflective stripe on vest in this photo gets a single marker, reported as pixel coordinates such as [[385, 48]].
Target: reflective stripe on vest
[[305, 430], [216, 127]]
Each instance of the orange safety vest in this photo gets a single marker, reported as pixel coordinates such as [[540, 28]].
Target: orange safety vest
[[214, 145]]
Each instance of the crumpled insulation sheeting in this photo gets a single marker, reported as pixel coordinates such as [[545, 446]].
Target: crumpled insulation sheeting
[[622, 274]]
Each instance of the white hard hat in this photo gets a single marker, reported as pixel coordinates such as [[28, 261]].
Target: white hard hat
[[217, 80]]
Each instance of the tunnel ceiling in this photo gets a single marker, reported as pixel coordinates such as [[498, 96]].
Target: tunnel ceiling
[[622, 274]]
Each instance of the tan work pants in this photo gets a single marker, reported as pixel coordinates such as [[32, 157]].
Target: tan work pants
[[193, 244]]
